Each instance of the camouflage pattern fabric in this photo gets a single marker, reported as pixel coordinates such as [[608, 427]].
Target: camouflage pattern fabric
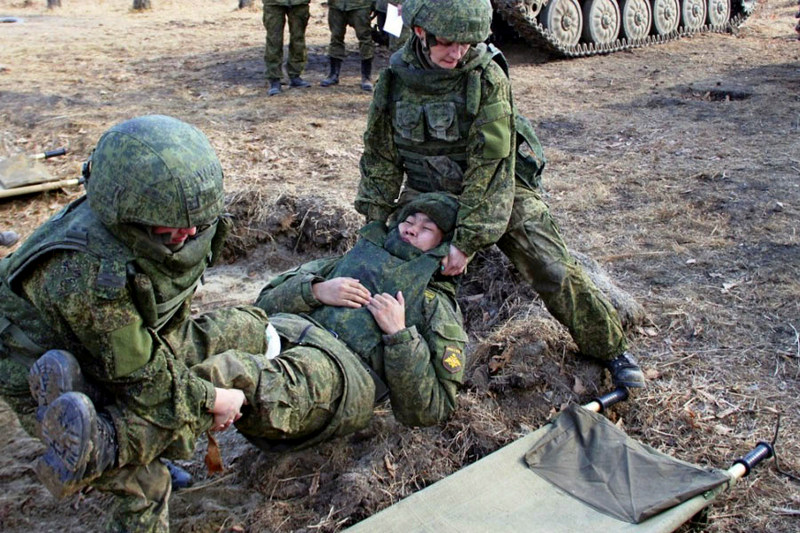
[[172, 175], [79, 295], [290, 397], [275, 15], [458, 21], [141, 503], [422, 365], [353, 13], [418, 113], [534, 244]]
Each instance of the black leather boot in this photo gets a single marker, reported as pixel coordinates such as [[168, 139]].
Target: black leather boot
[[53, 374], [80, 445], [366, 75], [274, 87], [625, 371], [333, 77]]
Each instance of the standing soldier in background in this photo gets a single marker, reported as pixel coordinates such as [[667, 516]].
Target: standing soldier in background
[[276, 13], [355, 13], [444, 104]]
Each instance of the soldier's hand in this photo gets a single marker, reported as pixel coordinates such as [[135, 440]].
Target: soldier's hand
[[341, 292], [455, 262], [389, 312], [227, 408]]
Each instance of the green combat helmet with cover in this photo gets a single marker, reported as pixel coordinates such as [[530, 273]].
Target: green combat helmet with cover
[[458, 21], [172, 176]]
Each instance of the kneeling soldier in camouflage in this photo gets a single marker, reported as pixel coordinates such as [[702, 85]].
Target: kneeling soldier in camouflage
[[103, 289]]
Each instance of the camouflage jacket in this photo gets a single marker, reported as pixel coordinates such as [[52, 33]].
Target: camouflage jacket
[[422, 364], [422, 119], [70, 287]]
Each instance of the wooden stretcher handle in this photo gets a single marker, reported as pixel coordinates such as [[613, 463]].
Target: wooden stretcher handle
[[47, 186]]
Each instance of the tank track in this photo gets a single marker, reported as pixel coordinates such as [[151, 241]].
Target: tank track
[[518, 15]]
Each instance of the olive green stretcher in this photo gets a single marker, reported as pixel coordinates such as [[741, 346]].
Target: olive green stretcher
[[503, 491]]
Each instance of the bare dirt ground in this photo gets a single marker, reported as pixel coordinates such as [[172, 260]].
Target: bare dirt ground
[[676, 167]]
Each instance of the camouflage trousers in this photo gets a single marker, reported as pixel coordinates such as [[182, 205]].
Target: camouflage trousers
[[274, 19], [141, 483], [338, 21], [534, 244], [289, 397]]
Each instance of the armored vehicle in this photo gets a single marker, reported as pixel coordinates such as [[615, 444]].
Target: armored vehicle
[[574, 28]]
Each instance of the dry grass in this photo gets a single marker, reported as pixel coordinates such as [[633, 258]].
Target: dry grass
[[688, 200]]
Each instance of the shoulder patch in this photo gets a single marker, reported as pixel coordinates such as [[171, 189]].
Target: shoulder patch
[[451, 360], [429, 295]]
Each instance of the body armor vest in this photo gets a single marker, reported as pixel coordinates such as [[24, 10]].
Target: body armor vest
[[432, 111], [382, 263], [158, 293]]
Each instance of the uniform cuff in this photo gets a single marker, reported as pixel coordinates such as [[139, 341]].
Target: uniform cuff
[[404, 335], [305, 289]]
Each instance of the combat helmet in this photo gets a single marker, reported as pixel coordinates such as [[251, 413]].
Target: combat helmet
[[154, 170], [458, 21]]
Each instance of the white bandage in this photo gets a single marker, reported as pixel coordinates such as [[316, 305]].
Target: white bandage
[[273, 342]]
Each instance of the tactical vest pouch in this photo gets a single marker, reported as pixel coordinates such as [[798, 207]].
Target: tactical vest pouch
[[441, 119], [530, 161], [445, 173], [408, 119]]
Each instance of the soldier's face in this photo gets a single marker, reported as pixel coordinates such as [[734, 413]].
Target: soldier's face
[[444, 54], [174, 237], [420, 231]]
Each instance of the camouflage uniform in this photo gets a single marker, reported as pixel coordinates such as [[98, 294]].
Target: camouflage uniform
[[120, 303], [421, 365], [275, 14], [355, 13], [420, 113]]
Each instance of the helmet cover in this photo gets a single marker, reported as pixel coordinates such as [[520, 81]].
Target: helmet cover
[[155, 170], [458, 21]]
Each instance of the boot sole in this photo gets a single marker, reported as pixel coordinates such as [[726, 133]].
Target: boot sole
[[67, 430], [53, 374]]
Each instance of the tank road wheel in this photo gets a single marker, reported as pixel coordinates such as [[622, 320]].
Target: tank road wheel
[[693, 14], [666, 16], [564, 20], [636, 18], [600, 21], [719, 12]]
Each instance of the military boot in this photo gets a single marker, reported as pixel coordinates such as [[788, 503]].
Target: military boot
[[8, 238], [333, 76], [53, 374], [274, 87], [180, 477], [625, 371], [79, 445], [298, 82], [366, 75]]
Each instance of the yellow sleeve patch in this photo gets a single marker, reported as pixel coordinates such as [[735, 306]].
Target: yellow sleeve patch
[[451, 360]]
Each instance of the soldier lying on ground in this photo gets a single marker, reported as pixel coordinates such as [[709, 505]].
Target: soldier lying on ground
[[388, 281]]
